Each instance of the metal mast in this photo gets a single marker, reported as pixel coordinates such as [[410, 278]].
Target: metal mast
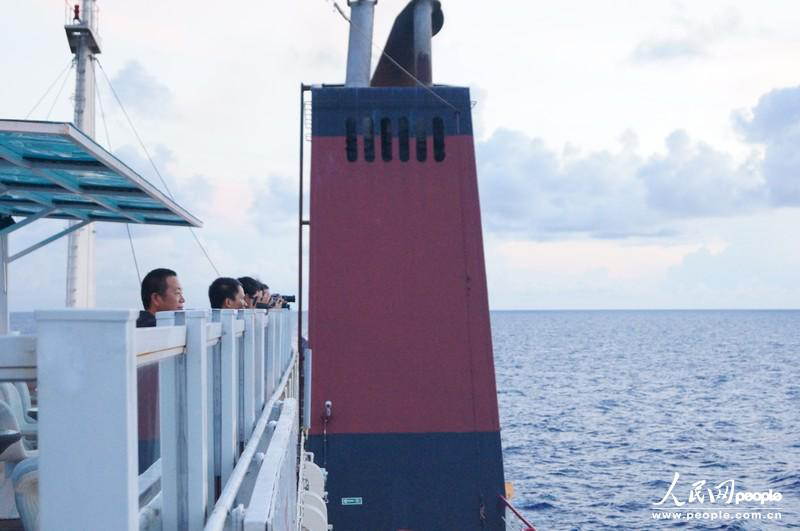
[[84, 43]]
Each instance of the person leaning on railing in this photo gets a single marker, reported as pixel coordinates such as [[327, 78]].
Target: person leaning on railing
[[227, 294], [257, 294], [269, 301], [161, 292], [252, 290]]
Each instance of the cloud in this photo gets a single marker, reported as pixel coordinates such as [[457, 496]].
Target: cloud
[[753, 271], [528, 190], [685, 39], [274, 209], [774, 123], [695, 180], [142, 92]]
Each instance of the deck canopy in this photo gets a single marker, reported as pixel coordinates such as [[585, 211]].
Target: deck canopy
[[53, 170]]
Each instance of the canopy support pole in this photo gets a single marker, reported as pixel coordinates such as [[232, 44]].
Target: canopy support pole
[[4, 322], [51, 239]]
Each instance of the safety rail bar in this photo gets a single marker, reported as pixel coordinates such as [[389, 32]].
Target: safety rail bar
[[218, 371], [18, 362], [517, 514]]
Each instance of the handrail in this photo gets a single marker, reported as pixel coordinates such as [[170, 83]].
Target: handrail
[[156, 344], [210, 373], [213, 333], [275, 465], [517, 514], [18, 359], [216, 521]]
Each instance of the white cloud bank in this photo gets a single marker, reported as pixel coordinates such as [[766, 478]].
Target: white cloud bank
[[534, 192]]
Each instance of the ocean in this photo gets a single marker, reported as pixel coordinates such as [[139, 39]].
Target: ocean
[[601, 409]]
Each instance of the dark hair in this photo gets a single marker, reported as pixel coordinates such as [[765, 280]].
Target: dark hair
[[155, 282], [264, 286], [250, 285], [221, 289]]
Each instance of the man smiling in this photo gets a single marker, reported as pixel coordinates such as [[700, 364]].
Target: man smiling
[[161, 292]]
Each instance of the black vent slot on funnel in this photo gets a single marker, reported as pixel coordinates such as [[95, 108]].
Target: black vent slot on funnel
[[422, 141], [403, 135], [438, 139], [352, 140], [386, 139], [369, 140]]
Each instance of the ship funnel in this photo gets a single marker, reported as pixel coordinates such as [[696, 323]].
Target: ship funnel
[[359, 54], [409, 45]]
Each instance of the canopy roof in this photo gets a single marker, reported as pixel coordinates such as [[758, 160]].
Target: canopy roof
[[53, 170]]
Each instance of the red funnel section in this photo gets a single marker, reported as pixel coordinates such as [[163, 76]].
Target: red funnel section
[[399, 320]]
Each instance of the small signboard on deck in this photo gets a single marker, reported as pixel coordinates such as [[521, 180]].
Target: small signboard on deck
[[352, 501]]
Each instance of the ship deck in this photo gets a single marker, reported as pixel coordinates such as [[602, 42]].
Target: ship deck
[[231, 432]]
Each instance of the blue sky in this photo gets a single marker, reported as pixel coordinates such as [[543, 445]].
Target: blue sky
[[630, 154]]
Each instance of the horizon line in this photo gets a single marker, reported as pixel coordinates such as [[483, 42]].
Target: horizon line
[[521, 310]]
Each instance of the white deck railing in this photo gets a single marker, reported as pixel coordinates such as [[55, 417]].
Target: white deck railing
[[228, 389]]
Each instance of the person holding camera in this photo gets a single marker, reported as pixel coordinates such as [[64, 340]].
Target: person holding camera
[[252, 290], [269, 301]]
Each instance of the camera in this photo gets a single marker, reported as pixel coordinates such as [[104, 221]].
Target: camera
[[273, 300]]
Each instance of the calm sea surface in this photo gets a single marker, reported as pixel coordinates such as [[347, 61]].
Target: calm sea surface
[[601, 409]]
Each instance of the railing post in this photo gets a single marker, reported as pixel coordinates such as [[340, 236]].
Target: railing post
[[197, 418], [274, 351], [279, 344], [269, 358], [286, 338], [88, 423], [172, 407], [214, 427], [307, 364], [287, 334], [229, 389], [258, 340], [248, 374]]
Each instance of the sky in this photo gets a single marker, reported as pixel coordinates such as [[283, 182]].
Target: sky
[[630, 154]]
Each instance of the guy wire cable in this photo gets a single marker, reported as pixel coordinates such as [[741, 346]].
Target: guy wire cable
[[60, 90], [152, 163], [69, 66], [110, 148]]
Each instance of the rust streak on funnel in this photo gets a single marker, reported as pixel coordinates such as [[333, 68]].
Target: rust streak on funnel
[[410, 45]]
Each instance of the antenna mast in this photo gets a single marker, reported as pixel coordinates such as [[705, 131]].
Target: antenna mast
[[84, 42]]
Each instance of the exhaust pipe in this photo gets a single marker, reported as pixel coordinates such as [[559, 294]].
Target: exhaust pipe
[[423, 35], [359, 52], [409, 45]]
